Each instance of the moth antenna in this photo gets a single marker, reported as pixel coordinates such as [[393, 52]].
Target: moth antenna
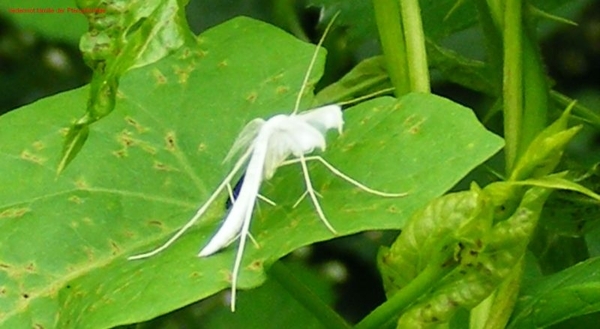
[[312, 63], [367, 96]]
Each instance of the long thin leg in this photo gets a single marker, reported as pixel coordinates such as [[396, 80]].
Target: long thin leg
[[267, 200], [238, 257], [304, 196], [345, 177], [313, 196], [200, 211]]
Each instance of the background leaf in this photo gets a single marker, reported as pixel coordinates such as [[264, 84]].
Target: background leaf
[[567, 294], [51, 24], [148, 165]]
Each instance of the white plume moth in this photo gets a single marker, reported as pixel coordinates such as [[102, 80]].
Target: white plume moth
[[266, 145]]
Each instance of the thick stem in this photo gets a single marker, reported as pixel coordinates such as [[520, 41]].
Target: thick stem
[[415, 46], [391, 35], [391, 309], [513, 80]]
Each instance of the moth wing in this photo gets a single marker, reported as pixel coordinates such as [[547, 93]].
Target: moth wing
[[324, 118], [291, 137], [246, 138]]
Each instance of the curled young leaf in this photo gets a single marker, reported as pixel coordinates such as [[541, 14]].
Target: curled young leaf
[[545, 151], [488, 265]]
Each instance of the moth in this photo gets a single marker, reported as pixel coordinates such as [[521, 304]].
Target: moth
[[263, 146]]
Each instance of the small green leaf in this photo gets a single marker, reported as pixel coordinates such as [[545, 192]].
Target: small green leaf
[[545, 151], [367, 77], [124, 36]]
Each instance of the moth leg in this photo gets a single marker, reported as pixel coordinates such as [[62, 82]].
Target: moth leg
[[267, 200], [313, 196], [304, 196], [254, 242], [245, 231], [347, 178]]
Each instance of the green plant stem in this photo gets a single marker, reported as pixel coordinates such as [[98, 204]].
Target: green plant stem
[[505, 298], [535, 93], [312, 302], [513, 80], [391, 35], [415, 46], [393, 307], [493, 45]]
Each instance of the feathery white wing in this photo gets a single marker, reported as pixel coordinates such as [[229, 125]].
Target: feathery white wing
[[245, 138], [246, 199], [324, 118]]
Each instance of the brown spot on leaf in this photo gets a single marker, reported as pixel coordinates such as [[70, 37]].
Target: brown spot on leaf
[[4, 266], [201, 53], [186, 53], [256, 265], [160, 78], [30, 267], [115, 247], [14, 212], [201, 147], [223, 64], [75, 199], [171, 145], [182, 74], [251, 98], [161, 166], [138, 127], [81, 184], [125, 139], [120, 153], [155, 223], [38, 145], [275, 78], [282, 90], [28, 156], [393, 209]]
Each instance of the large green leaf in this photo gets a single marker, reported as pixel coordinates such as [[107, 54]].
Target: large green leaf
[[147, 166]]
